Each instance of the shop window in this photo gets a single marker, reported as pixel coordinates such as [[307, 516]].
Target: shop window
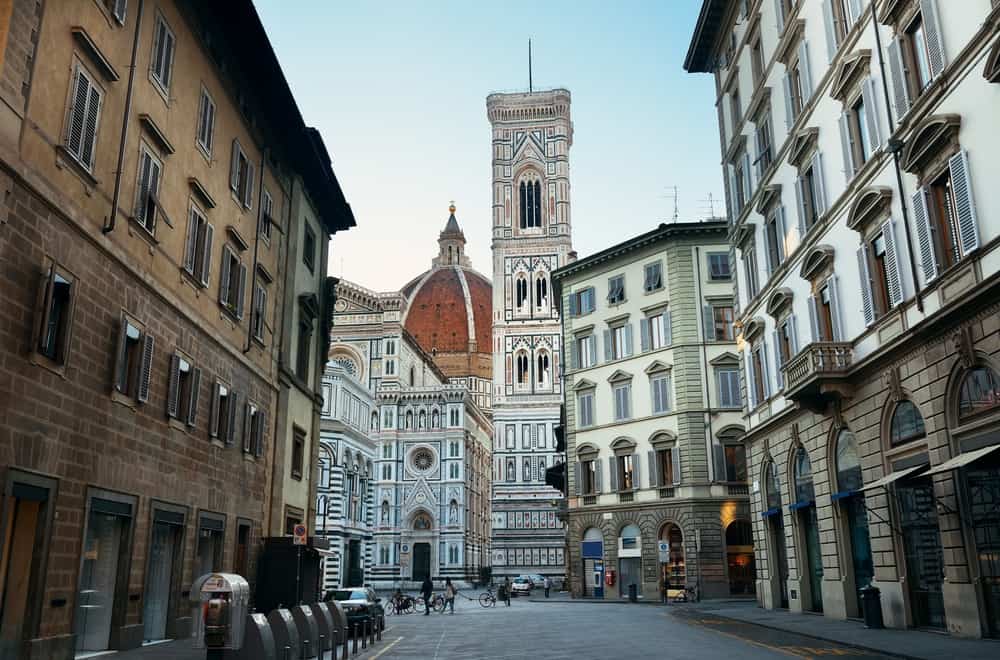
[[848, 461], [804, 491], [907, 424]]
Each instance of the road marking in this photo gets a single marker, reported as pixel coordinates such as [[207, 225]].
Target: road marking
[[437, 649], [386, 649], [786, 650]]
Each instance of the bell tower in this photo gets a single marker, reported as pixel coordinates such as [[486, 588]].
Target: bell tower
[[531, 137]]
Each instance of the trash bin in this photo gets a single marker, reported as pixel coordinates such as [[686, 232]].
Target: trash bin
[[633, 593], [871, 606]]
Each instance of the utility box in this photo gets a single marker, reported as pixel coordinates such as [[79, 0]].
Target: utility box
[[223, 607], [288, 574]]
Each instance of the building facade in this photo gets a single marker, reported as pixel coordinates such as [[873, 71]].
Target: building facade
[[657, 483], [531, 137], [858, 145], [346, 477], [139, 383]]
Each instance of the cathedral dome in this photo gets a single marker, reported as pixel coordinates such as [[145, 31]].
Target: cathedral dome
[[450, 307]]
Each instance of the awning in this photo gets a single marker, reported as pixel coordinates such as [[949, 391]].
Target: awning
[[324, 552], [963, 459], [892, 477]]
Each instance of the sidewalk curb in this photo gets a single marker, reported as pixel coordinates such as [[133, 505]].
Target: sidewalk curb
[[832, 640]]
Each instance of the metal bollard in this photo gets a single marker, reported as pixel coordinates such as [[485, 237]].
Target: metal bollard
[[355, 649], [364, 634], [378, 629], [322, 644], [306, 647], [288, 652]]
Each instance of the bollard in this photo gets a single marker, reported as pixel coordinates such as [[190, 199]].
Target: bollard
[[364, 634], [306, 647], [288, 652], [378, 629], [322, 643], [355, 643]]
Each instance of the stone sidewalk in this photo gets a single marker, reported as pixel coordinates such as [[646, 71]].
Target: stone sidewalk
[[918, 644]]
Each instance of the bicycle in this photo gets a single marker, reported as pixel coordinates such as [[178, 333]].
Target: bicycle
[[488, 598], [437, 603]]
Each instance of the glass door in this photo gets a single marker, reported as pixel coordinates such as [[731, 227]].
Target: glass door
[[777, 525], [159, 574], [922, 546], [814, 558], [102, 548], [861, 546], [983, 484]]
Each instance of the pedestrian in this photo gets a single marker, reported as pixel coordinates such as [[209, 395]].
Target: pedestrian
[[427, 590], [506, 590], [547, 583], [449, 596], [665, 598]]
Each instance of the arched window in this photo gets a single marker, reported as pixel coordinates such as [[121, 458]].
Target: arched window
[[543, 369], [435, 419], [522, 368], [978, 394], [907, 424], [541, 291], [803, 477], [521, 291], [773, 487], [531, 203], [422, 420], [739, 532], [848, 462]]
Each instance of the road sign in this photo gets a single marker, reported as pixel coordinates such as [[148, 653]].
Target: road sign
[[664, 551], [299, 535]]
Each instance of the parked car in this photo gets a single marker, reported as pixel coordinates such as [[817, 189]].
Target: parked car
[[537, 581], [520, 586], [359, 603]]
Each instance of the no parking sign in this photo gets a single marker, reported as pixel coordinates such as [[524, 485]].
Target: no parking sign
[[299, 535]]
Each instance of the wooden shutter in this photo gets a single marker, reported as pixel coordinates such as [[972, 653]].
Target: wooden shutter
[[636, 471], [226, 275], [747, 179], [965, 208], [258, 445], [119, 384], [831, 34], [191, 242], [651, 466], [43, 302], [213, 420], [779, 15], [846, 143], [613, 473], [782, 227], [668, 330], [145, 164], [805, 74], [814, 318], [932, 35], [248, 190], [719, 456], [195, 393], [607, 346], [145, 367], [598, 476], [765, 371], [574, 305], [206, 261], [708, 322], [921, 217], [675, 464], [234, 405], [234, 167], [819, 184], [854, 6], [628, 340], [793, 334], [900, 91], [89, 144], [241, 291], [870, 99], [118, 10], [173, 385], [77, 113], [247, 427], [786, 83], [751, 387], [577, 482], [574, 354], [838, 331], [892, 276], [777, 358], [644, 334], [866, 284]]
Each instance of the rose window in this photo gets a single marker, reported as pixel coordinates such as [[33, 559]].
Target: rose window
[[423, 459]]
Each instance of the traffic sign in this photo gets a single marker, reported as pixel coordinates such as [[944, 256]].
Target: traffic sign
[[299, 533]]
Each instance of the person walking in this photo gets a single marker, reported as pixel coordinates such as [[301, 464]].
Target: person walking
[[547, 583], [506, 590], [427, 590], [449, 596]]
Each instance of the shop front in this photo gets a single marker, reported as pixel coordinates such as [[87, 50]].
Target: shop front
[[592, 553], [672, 571], [811, 564], [775, 526], [629, 560]]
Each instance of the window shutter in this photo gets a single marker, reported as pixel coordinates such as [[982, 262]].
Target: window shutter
[[777, 359], [928, 263], [90, 127], [751, 387], [834, 286], [961, 186], [206, 261], [651, 466], [675, 464], [242, 291], [145, 164], [779, 219], [731, 198], [191, 242], [900, 92], [258, 444], [213, 419], [78, 113], [719, 454], [224, 278], [932, 32], [845, 144], [43, 299], [574, 307], [820, 184], [793, 331], [758, 163], [574, 354], [668, 330], [598, 476], [813, 318], [893, 280], [765, 370], [866, 284], [247, 427], [870, 99], [801, 208], [613, 473], [708, 322], [607, 346], [577, 483], [234, 167], [248, 191], [195, 393], [119, 10], [747, 178], [786, 83], [779, 15], [644, 334], [831, 35], [854, 7], [805, 72], [173, 385], [628, 339], [145, 367], [234, 405], [771, 266]]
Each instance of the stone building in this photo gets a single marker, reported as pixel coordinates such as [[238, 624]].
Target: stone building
[[657, 479], [531, 137], [417, 350], [859, 144], [144, 240], [345, 483]]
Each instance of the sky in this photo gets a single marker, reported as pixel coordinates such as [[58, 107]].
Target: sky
[[398, 91]]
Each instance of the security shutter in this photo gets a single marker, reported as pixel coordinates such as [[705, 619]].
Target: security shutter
[[195, 393], [968, 229], [145, 367], [173, 385], [866, 284], [928, 261]]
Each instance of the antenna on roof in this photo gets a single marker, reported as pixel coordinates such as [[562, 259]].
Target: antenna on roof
[[673, 193], [529, 67], [711, 205]]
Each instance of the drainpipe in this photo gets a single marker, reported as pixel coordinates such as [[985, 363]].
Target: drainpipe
[[704, 361], [256, 246], [895, 146], [109, 224]]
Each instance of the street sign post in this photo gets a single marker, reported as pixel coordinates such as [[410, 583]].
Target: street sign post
[[299, 535]]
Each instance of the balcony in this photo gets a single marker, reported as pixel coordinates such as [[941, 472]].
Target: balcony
[[626, 497], [818, 374]]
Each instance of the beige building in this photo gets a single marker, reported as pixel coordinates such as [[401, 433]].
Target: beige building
[[657, 485], [148, 229], [859, 144]]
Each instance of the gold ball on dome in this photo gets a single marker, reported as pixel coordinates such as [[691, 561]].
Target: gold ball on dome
[[451, 208]]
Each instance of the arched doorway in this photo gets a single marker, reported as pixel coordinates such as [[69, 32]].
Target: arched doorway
[[592, 552], [673, 575], [778, 568], [421, 550], [739, 555], [805, 505], [855, 520], [629, 559]]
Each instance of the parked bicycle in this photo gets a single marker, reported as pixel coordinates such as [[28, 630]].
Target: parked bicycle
[[488, 598], [437, 602]]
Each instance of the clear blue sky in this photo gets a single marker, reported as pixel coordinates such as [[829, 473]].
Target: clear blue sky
[[398, 90]]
